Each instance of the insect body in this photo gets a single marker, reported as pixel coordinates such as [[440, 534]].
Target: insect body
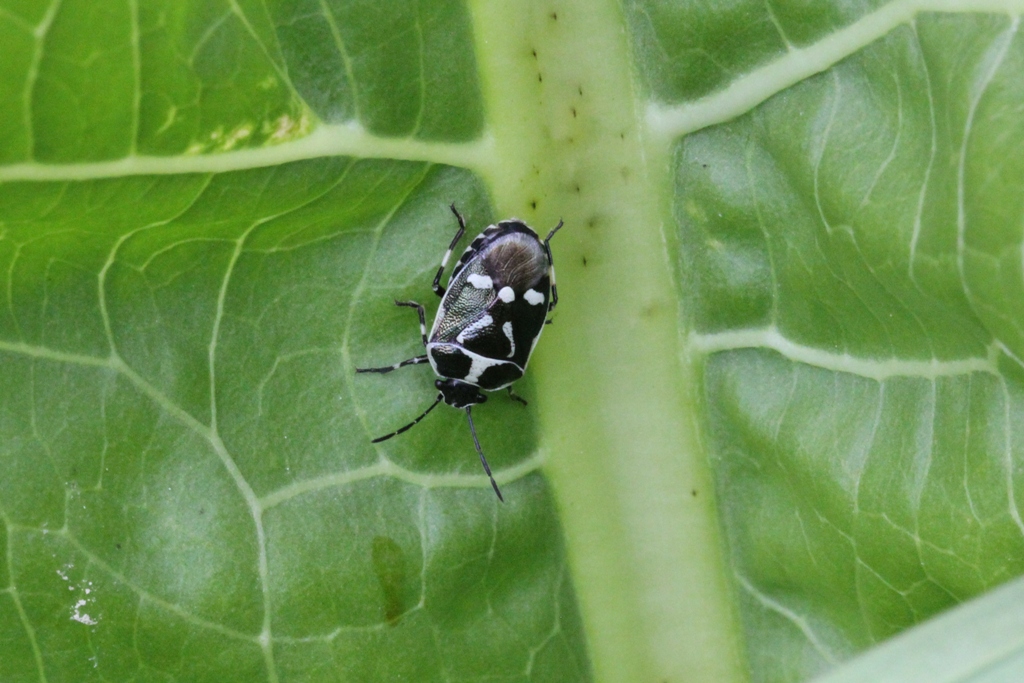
[[490, 318]]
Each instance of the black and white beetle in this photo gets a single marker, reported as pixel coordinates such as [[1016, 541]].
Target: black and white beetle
[[489, 320]]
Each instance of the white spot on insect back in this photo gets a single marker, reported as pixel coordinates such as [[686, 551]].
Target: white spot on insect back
[[507, 295], [507, 329], [471, 330], [480, 281], [533, 297], [478, 366]]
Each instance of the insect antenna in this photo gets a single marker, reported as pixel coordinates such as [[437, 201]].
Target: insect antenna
[[487, 468], [412, 424], [438, 287], [552, 233], [551, 268]]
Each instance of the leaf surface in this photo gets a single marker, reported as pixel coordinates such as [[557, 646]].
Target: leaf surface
[[776, 419]]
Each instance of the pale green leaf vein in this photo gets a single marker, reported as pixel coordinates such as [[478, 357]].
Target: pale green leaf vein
[[101, 277], [155, 599], [994, 58], [12, 590], [1010, 465], [789, 615], [872, 368], [346, 59], [40, 32], [387, 468], [916, 232], [667, 122], [349, 139]]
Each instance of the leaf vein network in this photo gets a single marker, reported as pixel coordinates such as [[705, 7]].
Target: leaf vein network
[[799, 621], [995, 57], [40, 33], [346, 58], [327, 140], [12, 590], [670, 121], [877, 368]]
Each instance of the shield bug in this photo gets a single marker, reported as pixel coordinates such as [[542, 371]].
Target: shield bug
[[490, 318]]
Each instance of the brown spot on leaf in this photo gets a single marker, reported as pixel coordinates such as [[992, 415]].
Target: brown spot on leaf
[[651, 309], [390, 567]]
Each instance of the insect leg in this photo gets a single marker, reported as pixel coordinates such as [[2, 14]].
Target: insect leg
[[423, 335], [411, 424], [515, 397], [551, 267], [438, 287], [476, 442], [388, 368], [423, 319]]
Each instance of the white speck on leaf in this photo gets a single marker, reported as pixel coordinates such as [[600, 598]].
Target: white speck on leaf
[[80, 616]]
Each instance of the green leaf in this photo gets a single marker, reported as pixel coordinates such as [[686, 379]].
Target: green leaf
[[776, 419], [982, 640]]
